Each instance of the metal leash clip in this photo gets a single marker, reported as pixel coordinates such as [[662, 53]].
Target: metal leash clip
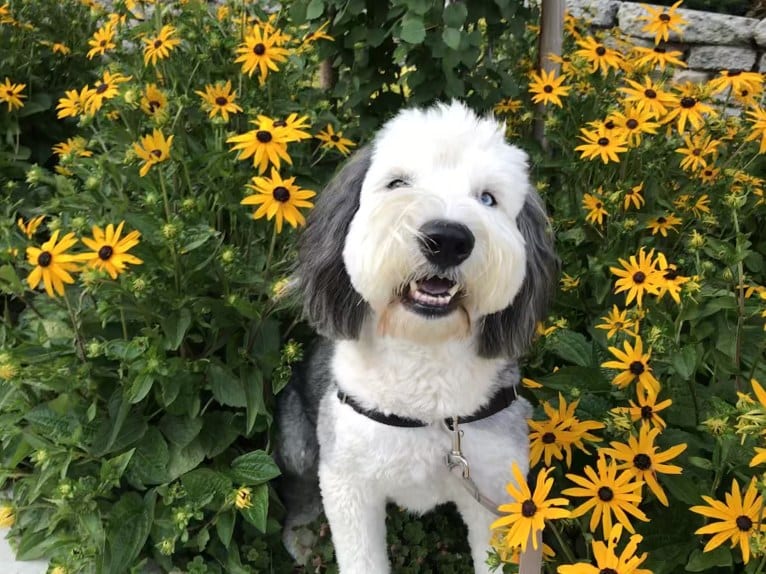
[[455, 458]]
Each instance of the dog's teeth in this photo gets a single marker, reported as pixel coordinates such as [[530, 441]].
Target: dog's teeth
[[413, 286], [454, 289]]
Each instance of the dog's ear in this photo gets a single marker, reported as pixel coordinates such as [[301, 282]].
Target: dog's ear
[[330, 303], [510, 331]]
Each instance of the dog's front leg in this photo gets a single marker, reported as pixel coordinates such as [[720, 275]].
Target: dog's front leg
[[357, 514]]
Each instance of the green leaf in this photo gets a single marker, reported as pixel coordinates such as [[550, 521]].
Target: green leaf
[[413, 31], [455, 14], [130, 520], [684, 361], [219, 431], [9, 281], [112, 469], [202, 485], [451, 38], [150, 461], [571, 346], [175, 327], [224, 526], [314, 9], [254, 468], [226, 387], [140, 387], [180, 431], [700, 462], [257, 513], [182, 460], [701, 561], [252, 381]]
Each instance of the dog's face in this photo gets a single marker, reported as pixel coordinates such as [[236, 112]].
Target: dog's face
[[437, 230]]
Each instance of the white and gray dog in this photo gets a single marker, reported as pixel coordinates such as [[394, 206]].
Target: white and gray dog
[[426, 264]]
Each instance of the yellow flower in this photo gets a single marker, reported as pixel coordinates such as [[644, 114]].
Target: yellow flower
[[242, 498], [153, 149], [160, 46], [530, 383], [259, 50], [662, 22], [508, 106], [738, 81], [154, 102], [546, 88], [279, 197], [697, 147], [641, 459], [318, 34], [617, 321], [608, 493], [663, 223], [7, 516], [73, 103], [30, 228], [75, 146], [649, 96], [104, 89], [607, 560], [598, 55], [335, 140], [688, 109], [109, 252], [528, 511], [219, 99], [266, 144], [10, 93], [670, 281], [633, 364], [646, 410], [637, 276], [595, 208], [569, 283], [657, 57], [634, 197], [102, 40], [53, 263], [601, 144], [738, 519], [757, 127], [634, 122]]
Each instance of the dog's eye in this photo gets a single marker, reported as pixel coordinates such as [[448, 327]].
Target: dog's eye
[[395, 183], [488, 199]]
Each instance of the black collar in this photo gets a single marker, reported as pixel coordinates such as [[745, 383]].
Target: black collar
[[499, 401]]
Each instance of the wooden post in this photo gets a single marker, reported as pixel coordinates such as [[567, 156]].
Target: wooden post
[[550, 42]]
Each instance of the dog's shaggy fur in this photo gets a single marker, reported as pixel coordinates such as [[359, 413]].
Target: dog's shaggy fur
[[426, 264]]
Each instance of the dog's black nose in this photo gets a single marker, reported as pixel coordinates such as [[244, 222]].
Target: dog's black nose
[[446, 243]]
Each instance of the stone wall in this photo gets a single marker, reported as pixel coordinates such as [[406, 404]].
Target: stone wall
[[710, 42]]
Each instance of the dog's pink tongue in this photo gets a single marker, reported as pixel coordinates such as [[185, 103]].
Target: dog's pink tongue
[[435, 285]]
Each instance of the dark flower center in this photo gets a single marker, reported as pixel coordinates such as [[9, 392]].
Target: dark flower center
[[744, 93], [157, 43], [642, 461], [744, 523], [603, 141], [280, 124], [708, 172], [608, 571], [688, 102], [598, 205], [600, 50], [281, 194], [102, 43], [156, 152], [670, 274], [662, 220], [102, 88], [263, 136], [646, 412], [609, 124], [154, 106], [650, 93], [547, 89], [549, 438], [44, 259], [605, 494], [528, 508], [105, 252], [335, 138], [639, 277], [665, 17], [632, 124], [636, 367], [259, 49], [696, 151], [659, 50], [221, 101], [732, 73]]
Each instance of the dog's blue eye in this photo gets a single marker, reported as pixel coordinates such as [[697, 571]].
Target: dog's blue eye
[[488, 199], [398, 182]]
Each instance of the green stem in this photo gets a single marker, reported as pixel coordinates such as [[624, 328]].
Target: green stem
[[165, 199], [271, 251], [761, 565], [78, 339], [740, 303], [564, 546]]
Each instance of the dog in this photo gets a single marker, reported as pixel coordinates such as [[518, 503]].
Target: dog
[[426, 266]]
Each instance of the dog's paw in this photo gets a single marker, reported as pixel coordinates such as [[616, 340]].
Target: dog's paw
[[299, 542]]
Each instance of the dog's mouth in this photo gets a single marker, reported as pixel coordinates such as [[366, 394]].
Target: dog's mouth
[[433, 296]]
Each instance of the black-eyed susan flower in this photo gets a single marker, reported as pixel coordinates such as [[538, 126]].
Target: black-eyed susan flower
[[757, 118], [7, 516], [152, 149], [318, 34], [335, 140], [279, 198], [633, 365], [598, 55], [30, 227], [530, 383], [646, 409], [546, 88], [662, 21], [104, 89], [607, 560], [608, 492], [76, 146], [648, 95], [569, 283], [109, 251], [640, 458], [243, 498], [634, 122], [663, 223], [102, 41], [671, 281], [637, 276], [548, 441], [698, 147], [737, 81], [53, 264], [219, 99], [617, 321], [657, 57], [737, 519], [10, 93], [267, 144], [688, 108], [159, 47], [747, 97], [594, 206], [527, 512], [73, 103], [602, 144], [634, 197], [154, 102], [260, 51], [708, 174], [507, 106]]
